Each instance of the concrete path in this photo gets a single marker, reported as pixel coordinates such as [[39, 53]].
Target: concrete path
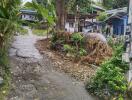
[[34, 77]]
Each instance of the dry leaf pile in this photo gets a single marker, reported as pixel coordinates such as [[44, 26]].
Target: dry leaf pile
[[98, 50]]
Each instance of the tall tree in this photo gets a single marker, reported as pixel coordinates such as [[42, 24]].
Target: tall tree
[[112, 4], [60, 11], [65, 6]]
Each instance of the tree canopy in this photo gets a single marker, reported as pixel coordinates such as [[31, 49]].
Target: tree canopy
[[113, 4]]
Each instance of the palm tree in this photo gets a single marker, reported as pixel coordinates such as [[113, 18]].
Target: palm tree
[[46, 13]]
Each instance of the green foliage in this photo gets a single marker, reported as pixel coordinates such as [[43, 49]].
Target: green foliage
[[112, 4], [84, 6], [4, 73], [102, 16], [117, 55], [68, 48], [41, 32], [9, 12], [54, 37], [115, 43], [82, 52], [77, 37], [48, 14], [108, 82], [22, 31], [110, 77]]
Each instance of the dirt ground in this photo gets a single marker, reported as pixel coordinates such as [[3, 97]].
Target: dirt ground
[[81, 72]]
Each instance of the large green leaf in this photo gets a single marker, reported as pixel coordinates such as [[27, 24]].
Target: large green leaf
[[44, 12]]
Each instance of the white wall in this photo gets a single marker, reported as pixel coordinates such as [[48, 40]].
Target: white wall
[[28, 17], [68, 28]]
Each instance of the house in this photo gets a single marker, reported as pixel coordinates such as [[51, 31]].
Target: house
[[87, 22], [117, 20], [28, 15]]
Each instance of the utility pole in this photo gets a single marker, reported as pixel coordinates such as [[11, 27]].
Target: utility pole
[[92, 13], [77, 19], [130, 23]]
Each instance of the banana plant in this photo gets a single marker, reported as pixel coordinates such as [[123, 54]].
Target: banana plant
[[47, 14], [9, 10]]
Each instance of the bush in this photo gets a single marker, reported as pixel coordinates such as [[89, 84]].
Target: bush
[[108, 82], [68, 48], [117, 55], [4, 73], [102, 16], [82, 52], [77, 37]]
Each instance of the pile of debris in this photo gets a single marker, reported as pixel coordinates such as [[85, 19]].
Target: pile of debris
[[97, 48]]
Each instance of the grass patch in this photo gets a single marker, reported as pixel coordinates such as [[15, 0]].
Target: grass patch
[[40, 32], [23, 31]]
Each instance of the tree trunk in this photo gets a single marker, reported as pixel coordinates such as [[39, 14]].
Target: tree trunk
[[60, 10]]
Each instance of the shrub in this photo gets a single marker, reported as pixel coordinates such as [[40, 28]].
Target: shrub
[[117, 61], [117, 55], [102, 16], [54, 37], [68, 48], [108, 82], [82, 52], [77, 37], [4, 73]]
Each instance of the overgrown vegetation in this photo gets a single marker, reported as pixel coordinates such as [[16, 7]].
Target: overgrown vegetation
[[114, 4], [41, 32], [102, 16], [83, 49], [109, 81], [4, 73], [8, 25], [71, 43], [22, 31]]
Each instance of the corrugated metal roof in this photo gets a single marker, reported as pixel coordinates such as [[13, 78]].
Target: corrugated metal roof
[[28, 11], [98, 7], [124, 9]]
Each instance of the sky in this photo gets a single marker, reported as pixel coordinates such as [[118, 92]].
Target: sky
[[24, 1]]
